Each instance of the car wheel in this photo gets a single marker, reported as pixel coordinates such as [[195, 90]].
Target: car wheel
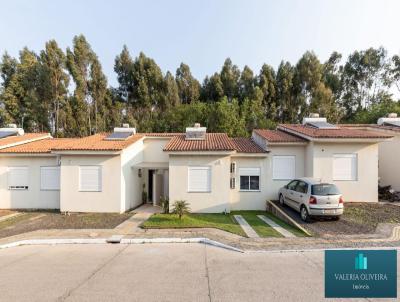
[[304, 214], [281, 200]]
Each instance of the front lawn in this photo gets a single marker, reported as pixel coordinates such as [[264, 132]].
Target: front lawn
[[44, 220], [223, 222]]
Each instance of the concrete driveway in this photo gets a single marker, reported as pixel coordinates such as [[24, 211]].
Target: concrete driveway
[[158, 272]]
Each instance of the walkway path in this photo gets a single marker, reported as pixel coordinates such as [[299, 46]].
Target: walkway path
[[246, 227], [276, 226], [142, 214]]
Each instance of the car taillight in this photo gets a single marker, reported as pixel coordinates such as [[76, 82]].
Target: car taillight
[[312, 200], [341, 199]]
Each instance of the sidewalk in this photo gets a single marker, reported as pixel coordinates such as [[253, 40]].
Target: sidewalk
[[389, 237], [385, 235]]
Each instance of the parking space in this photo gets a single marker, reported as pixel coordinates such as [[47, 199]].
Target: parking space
[[358, 218]]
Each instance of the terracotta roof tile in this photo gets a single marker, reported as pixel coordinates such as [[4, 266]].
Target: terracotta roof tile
[[97, 142], [373, 126], [278, 136], [213, 142], [339, 132], [39, 146], [14, 140], [246, 145]]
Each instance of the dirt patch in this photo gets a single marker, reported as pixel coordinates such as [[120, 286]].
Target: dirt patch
[[358, 218], [32, 221], [5, 212]]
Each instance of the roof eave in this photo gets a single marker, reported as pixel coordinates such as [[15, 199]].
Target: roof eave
[[200, 152], [286, 143], [30, 154], [337, 139], [254, 154], [86, 152]]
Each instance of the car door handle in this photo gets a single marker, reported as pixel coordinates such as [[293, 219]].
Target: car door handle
[[301, 195]]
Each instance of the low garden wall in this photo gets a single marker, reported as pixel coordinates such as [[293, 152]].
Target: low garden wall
[[275, 210]]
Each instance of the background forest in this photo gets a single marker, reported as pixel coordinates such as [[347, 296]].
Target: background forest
[[66, 92]]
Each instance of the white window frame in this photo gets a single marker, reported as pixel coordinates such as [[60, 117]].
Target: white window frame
[[276, 177], [100, 178], [43, 186], [195, 190], [24, 185], [354, 174], [247, 172]]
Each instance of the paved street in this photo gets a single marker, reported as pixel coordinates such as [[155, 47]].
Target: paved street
[[158, 272]]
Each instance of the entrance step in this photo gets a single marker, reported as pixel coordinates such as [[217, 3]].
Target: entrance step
[[276, 227], [246, 227]]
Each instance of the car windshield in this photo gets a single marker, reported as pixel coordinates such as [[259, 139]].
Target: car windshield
[[324, 190]]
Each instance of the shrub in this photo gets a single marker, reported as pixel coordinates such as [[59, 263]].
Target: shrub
[[164, 202], [180, 207]]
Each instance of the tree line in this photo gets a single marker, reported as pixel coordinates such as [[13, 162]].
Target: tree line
[[66, 92]]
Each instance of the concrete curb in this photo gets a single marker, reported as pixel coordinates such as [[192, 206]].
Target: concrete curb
[[121, 241], [325, 249], [181, 240]]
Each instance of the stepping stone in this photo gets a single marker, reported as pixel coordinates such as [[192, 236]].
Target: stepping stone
[[246, 227], [276, 226]]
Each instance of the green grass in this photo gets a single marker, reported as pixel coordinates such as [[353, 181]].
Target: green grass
[[223, 222], [263, 229]]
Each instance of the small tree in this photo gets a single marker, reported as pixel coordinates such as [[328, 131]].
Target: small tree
[[180, 207]]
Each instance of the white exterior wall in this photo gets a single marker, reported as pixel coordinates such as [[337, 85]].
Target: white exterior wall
[[108, 200], [365, 188], [153, 150], [216, 201], [389, 162], [274, 185], [34, 197], [131, 183], [250, 200]]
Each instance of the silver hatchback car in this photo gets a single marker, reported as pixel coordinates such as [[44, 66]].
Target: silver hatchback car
[[312, 198]]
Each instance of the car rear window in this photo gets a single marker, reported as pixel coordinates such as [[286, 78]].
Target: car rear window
[[324, 190]]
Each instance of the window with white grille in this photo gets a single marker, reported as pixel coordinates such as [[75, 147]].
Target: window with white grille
[[249, 179], [50, 178], [90, 179], [199, 179], [18, 178], [283, 167], [345, 167]]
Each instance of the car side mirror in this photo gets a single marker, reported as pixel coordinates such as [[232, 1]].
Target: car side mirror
[[286, 186]]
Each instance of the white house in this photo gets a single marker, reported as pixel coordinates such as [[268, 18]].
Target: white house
[[211, 171], [389, 162]]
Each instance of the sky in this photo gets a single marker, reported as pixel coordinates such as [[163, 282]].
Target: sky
[[203, 33]]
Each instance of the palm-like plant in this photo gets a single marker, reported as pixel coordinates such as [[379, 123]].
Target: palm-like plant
[[180, 207]]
